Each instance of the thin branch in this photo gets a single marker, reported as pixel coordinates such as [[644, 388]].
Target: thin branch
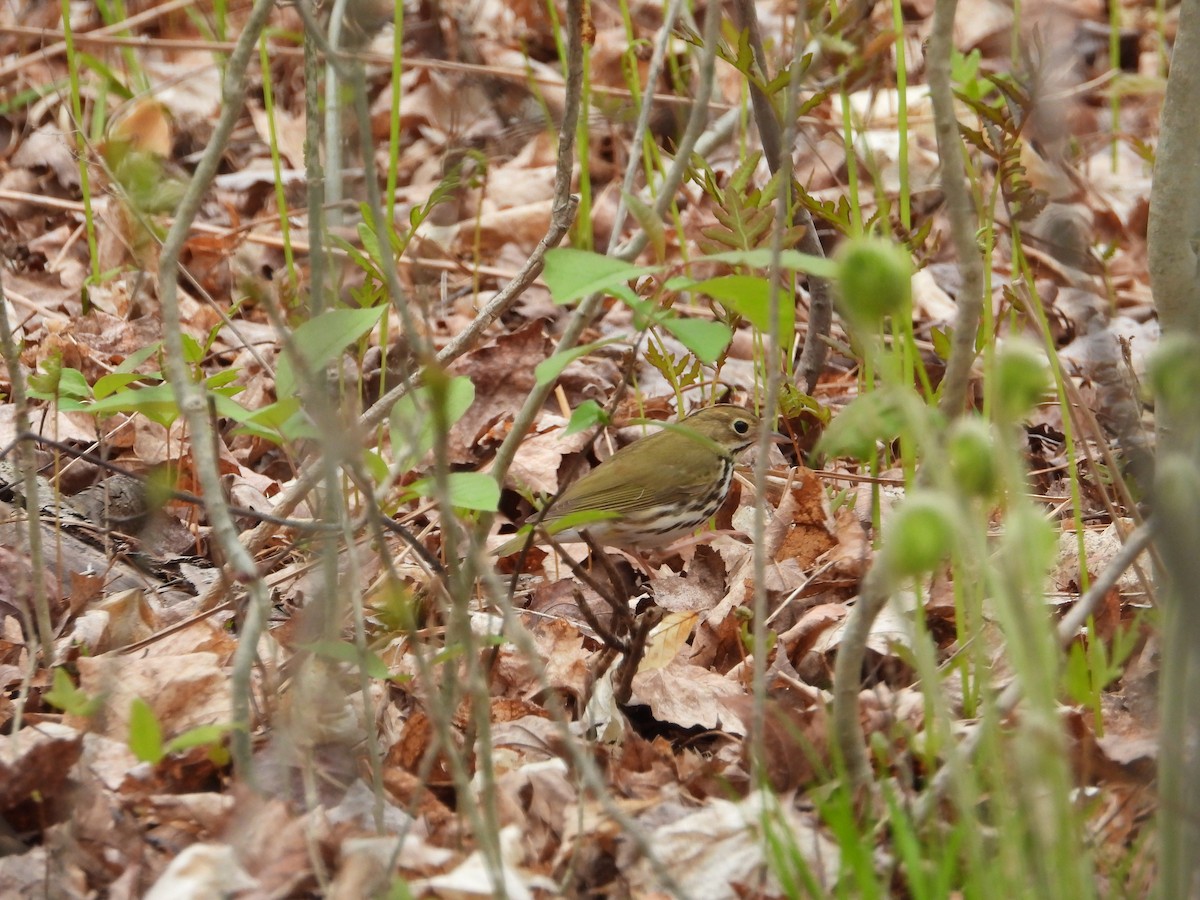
[[847, 677], [692, 134], [963, 221], [190, 396], [657, 60], [820, 290], [44, 637], [773, 353]]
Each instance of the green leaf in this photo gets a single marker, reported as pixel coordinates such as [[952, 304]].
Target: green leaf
[[156, 403], [341, 651], [651, 224], [192, 351], [750, 297], [200, 736], [941, 341], [222, 379], [572, 274], [788, 259], [107, 385], [412, 425], [645, 313], [375, 465], [275, 422], [145, 735], [321, 339], [549, 369], [133, 360], [877, 417], [72, 384], [370, 242], [66, 696], [585, 415], [468, 490], [355, 255], [707, 340], [275, 415], [43, 384]]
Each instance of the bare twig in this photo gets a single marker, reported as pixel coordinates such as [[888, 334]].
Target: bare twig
[[963, 221], [783, 221], [820, 290], [692, 134], [40, 631], [657, 60], [847, 677], [190, 397]]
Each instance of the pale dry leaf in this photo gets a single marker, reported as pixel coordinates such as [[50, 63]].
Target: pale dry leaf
[[539, 458], [36, 760], [189, 85], [24, 874], [931, 304], [535, 797], [202, 871], [696, 591], [289, 131], [667, 639], [132, 617], [473, 877], [183, 691], [802, 637], [1100, 546], [358, 807], [207, 813], [48, 147], [269, 834], [413, 850], [892, 628], [523, 225], [1124, 188], [690, 696], [721, 850]]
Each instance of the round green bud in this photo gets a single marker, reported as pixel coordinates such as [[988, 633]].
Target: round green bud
[[973, 457], [1176, 489], [875, 279], [1174, 371], [1028, 546], [921, 534], [1022, 377]]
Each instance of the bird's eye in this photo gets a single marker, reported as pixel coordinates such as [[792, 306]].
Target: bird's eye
[[741, 426]]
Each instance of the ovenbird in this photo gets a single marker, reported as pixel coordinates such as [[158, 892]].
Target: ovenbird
[[658, 488]]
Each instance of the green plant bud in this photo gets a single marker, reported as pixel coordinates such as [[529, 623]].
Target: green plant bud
[[1028, 545], [920, 535], [1022, 378], [875, 277], [973, 457], [1174, 371], [1177, 491]]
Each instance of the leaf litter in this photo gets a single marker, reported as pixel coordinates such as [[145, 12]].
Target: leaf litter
[[671, 760]]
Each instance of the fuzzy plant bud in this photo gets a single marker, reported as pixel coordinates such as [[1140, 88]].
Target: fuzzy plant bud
[[1022, 378], [973, 457], [921, 534], [875, 280], [1174, 372]]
